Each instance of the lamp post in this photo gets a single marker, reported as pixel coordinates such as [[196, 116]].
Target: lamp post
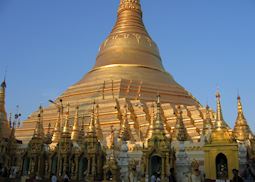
[[59, 106]]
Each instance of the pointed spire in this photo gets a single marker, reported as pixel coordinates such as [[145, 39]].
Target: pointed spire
[[129, 18], [92, 128], [240, 107], [99, 132], [2, 99], [112, 138], [75, 130], [82, 132], [57, 128], [180, 131], [220, 123], [66, 128], [241, 129], [39, 131], [158, 124], [150, 129], [125, 129], [207, 124], [219, 115], [48, 138]]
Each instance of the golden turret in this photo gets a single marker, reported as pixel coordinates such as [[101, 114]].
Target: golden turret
[[57, 129], [241, 129], [180, 131], [125, 134], [219, 116], [207, 124], [76, 130], [39, 131], [81, 131], [99, 132], [150, 129], [92, 128], [158, 124], [66, 127], [220, 132]]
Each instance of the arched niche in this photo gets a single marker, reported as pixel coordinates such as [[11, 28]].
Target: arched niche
[[221, 166]]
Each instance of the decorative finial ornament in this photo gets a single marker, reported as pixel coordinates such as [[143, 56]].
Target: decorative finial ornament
[[207, 122], [130, 5]]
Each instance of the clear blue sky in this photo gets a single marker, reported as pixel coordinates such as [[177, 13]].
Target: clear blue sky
[[48, 45]]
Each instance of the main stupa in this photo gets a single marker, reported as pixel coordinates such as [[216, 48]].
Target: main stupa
[[128, 73]]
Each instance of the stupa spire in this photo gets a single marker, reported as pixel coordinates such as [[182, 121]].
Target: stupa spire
[[66, 127], [180, 131], [129, 18], [75, 130], [39, 130], [241, 129], [158, 124], [4, 125], [2, 99], [92, 128], [220, 123], [150, 129], [98, 125], [125, 129], [57, 128], [220, 133], [207, 124]]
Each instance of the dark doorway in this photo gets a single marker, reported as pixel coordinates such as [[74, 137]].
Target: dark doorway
[[83, 166], [155, 165], [221, 166]]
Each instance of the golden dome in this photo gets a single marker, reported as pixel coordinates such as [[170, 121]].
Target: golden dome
[[129, 50]]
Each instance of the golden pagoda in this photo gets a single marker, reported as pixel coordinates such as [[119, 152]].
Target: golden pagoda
[[133, 73], [123, 83]]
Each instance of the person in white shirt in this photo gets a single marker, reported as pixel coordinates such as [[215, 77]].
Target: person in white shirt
[[54, 178]]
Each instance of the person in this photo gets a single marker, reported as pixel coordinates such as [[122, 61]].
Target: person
[[172, 175], [196, 175], [158, 179], [248, 174], [236, 177], [66, 178], [153, 178], [54, 178]]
